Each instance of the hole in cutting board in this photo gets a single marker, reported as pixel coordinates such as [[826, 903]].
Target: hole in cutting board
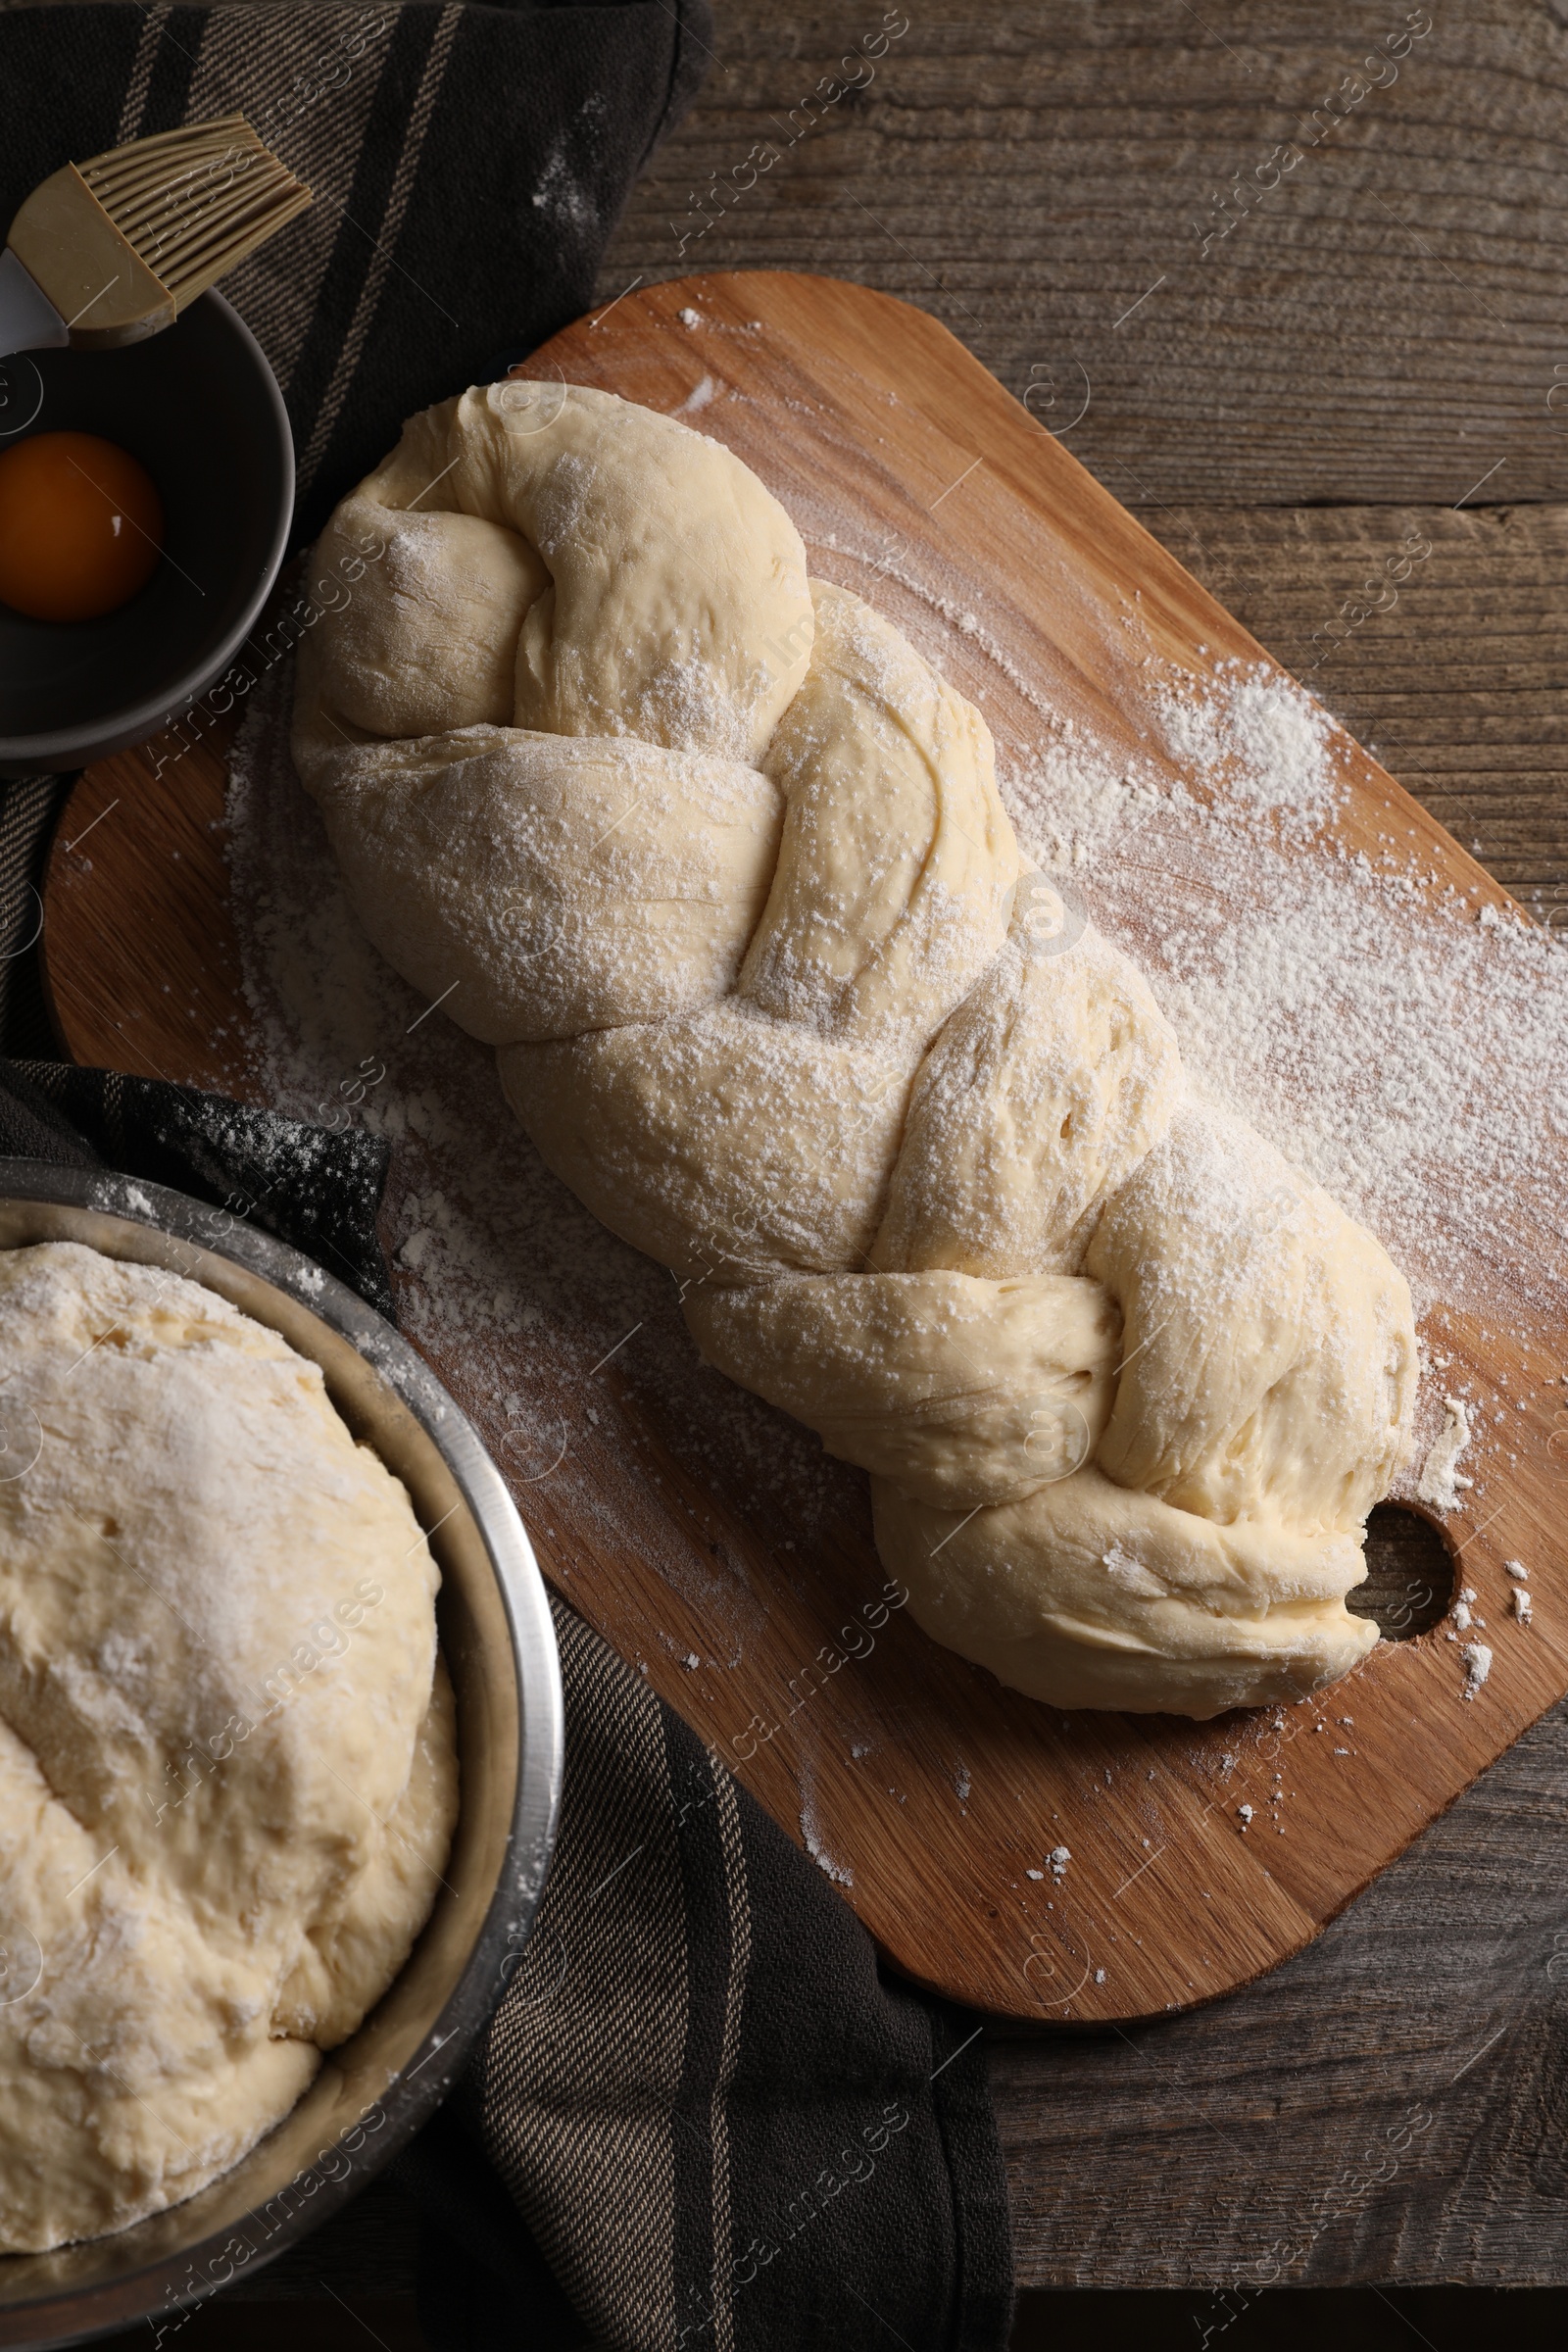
[[1410, 1574]]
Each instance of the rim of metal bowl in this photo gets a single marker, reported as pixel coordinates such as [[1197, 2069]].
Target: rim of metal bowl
[[62, 747], [167, 2281]]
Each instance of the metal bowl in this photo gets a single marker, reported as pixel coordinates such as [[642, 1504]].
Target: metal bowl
[[376, 2091], [201, 408]]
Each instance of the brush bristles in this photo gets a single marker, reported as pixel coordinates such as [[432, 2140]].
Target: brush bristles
[[193, 203]]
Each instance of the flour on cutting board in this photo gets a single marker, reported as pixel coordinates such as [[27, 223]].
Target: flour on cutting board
[[1402, 1045], [1441, 1482]]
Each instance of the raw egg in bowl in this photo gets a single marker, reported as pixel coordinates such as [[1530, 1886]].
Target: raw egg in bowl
[[146, 497], [82, 526]]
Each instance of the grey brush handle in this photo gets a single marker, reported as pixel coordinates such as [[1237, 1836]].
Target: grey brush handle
[[29, 320]]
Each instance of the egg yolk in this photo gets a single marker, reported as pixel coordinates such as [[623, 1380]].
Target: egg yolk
[[80, 526]]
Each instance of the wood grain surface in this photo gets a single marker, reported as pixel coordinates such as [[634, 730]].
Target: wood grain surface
[[1030, 158], [879, 432], [157, 992], [1383, 326]]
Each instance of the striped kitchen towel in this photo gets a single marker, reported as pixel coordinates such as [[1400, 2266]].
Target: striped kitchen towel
[[726, 2127]]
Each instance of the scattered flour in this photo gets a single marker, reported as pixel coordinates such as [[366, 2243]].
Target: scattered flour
[[812, 1834], [1477, 1666], [566, 191], [1441, 1482], [1269, 746], [1410, 1056]]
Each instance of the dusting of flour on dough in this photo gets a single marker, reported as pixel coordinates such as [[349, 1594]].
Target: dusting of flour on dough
[[1401, 1045], [535, 1312], [227, 1774]]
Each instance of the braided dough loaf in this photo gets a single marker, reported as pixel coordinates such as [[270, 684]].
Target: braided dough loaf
[[718, 864]]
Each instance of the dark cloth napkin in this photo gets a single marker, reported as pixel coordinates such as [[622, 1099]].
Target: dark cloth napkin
[[309, 1185], [703, 2118]]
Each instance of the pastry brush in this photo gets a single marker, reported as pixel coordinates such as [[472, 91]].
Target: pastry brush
[[112, 250]]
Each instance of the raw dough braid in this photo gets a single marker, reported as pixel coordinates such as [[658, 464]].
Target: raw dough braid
[[719, 863]]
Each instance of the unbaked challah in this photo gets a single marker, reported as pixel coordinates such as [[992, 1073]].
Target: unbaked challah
[[720, 864]]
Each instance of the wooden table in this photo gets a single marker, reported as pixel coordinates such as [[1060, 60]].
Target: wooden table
[[1373, 346], [1377, 343]]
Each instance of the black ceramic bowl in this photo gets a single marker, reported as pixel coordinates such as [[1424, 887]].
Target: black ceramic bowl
[[200, 407]]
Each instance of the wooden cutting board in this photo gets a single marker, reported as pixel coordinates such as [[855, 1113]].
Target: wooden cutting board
[[934, 1796]]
